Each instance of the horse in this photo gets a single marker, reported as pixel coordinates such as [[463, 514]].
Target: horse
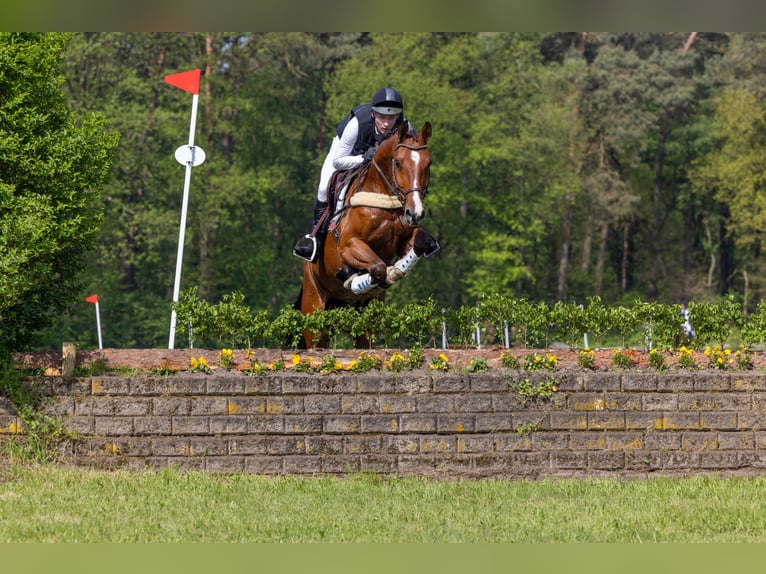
[[374, 237]]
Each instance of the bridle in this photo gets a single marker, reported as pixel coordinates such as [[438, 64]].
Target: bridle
[[394, 188]]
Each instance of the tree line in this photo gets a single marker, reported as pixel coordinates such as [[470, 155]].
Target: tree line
[[565, 165]]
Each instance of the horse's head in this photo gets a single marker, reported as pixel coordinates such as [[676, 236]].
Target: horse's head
[[404, 163]]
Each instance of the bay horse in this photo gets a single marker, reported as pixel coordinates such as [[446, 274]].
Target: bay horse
[[375, 236]]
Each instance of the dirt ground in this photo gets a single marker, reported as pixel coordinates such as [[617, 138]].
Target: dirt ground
[[459, 359]]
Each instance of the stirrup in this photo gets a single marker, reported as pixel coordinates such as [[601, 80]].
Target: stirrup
[[306, 249]]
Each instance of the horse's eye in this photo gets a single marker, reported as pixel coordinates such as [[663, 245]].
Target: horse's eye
[[398, 164]]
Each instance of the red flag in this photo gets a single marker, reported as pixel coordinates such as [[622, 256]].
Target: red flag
[[92, 299], [187, 81]]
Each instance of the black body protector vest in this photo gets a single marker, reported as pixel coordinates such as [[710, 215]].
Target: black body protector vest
[[366, 137]]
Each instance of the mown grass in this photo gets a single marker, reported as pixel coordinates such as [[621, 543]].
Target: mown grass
[[48, 503]]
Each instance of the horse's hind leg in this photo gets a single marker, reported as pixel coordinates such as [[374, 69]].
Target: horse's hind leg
[[311, 300]]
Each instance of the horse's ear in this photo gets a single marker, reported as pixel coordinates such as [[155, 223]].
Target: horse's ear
[[425, 133]]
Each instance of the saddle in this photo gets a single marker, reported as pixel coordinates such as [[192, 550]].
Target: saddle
[[337, 194]]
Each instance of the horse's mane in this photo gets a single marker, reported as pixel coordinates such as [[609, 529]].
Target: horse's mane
[[410, 133]]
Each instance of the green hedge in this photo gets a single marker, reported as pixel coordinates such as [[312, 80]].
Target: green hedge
[[496, 319]]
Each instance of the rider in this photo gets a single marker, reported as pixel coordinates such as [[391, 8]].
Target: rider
[[353, 145]]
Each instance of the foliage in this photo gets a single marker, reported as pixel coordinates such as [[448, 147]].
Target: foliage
[[743, 358], [367, 361], [204, 507], [754, 328], [536, 362], [659, 325], [194, 313], [718, 357], [509, 360], [335, 323], [287, 327], [40, 433], [231, 320], [622, 359], [569, 322], [615, 166], [542, 389], [533, 320], [163, 370], [477, 365], [92, 368], [662, 323], [199, 365], [657, 360], [626, 321], [714, 322], [463, 322], [227, 359], [301, 365], [528, 427], [397, 363], [439, 363], [374, 319], [329, 364], [419, 322], [415, 358], [686, 358], [587, 358], [53, 163]]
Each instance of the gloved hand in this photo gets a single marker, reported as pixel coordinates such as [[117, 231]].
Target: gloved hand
[[368, 155]]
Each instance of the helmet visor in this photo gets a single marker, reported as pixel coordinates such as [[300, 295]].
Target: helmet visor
[[388, 109]]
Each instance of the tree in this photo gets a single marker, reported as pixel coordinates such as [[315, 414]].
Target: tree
[[52, 165], [736, 174], [260, 112]]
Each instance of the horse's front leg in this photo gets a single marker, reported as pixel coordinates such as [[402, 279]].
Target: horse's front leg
[[420, 244], [357, 254]]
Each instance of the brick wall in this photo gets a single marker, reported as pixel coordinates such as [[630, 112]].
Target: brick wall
[[416, 423]]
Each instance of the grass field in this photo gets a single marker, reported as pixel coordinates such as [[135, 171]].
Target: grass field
[[47, 503]]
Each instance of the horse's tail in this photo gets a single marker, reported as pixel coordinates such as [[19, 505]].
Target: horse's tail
[[297, 304]]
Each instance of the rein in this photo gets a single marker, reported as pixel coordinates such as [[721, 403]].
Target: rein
[[395, 189]]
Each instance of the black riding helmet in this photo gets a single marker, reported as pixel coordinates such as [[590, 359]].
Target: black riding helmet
[[387, 101]]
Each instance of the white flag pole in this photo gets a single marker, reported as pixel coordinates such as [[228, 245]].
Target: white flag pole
[[98, 326], [182, 230], [94, 299], [190, 156]]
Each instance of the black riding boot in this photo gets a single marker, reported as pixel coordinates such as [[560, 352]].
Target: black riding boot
[[309, 245]]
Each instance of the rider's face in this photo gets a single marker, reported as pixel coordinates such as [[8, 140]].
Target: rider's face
[[384, 123]]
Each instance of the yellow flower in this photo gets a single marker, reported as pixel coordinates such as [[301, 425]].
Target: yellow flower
[[443, 357], [202, 362], [193, 363], [296, 359]]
